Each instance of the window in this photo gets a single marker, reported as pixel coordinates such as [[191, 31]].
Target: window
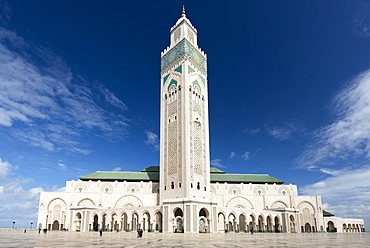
[[198, 185], [172, 185]]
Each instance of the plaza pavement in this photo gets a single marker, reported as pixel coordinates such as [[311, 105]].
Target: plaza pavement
[[123, 239]]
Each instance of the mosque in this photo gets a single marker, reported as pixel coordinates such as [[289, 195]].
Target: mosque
[[184, 194]]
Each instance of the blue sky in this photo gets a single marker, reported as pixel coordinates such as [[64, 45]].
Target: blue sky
[[289, 93]]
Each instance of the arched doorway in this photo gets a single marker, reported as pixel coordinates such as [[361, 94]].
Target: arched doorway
[[103, 223], [158, 222], [231, 223], [203, 221], [178, 227], [135, 221], [242, 223], [307, 227], [252, 224], [96, 223], [261, 224], [78, 220], [331, 227], [146, 222], [269, 223], [124, 222], [221, 222], [55, 225], [277, 224]]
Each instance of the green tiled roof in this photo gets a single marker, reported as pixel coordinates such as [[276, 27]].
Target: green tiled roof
[[151, 169], [216, 170], [244, 178], [327, 214], [121, 176], [152, 174]]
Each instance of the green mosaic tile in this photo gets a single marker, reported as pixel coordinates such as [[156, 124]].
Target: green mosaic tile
[[179, 69], [184, 48]]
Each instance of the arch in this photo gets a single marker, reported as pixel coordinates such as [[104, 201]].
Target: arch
[[279, 204], [231, 225], [239, 202], [55, 225], [252, 223], [283, 190], [95, 225], [261, 223], [242, 223], [128, 201], [204, 212], [221, 224], [86, 202], [234, 190], [173, 82], [77, 221], [57, 201], [307, 227], [80, 187], [269, 225], [259, 190], [306, 215], [106, 188], [146, 222], [195, 85], [277, 227], [158, 221], [331, 227], [178, 212], [133, 188]]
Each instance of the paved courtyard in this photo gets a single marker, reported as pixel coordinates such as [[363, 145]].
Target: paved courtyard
[[123, 239]]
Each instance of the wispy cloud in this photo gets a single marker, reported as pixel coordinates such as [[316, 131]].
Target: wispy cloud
[[285, 130], [217, 163], [117, 169], [245, 156], [18, 203], [232, 154], [6, 168], [252, 131], [361, 22], [46, 105], [348, 137], [346, 191], [152, 140]]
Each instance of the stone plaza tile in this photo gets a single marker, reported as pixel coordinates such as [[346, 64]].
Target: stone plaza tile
[[123, 239]]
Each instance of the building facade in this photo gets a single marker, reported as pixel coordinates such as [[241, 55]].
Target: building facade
[[185, 194]]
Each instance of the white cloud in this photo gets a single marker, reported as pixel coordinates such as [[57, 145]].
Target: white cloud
[[345, 192], [53, 108], [117, 169], [348, 137], [245, 156], [217, 163], [232, 154], [5, 169], [152, 139], [285, 130]]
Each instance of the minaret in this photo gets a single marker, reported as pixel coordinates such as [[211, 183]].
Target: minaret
[[184, 137]]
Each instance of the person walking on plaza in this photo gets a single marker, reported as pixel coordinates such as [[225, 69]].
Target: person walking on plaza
[[141, 233], [101, 231]]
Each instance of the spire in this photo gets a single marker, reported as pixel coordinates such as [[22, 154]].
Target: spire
[[183, 12]]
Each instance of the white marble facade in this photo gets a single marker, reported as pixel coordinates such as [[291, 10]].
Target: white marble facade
[[181, 196]]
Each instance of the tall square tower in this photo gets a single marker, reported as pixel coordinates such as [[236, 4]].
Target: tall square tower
[[184, 137]]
